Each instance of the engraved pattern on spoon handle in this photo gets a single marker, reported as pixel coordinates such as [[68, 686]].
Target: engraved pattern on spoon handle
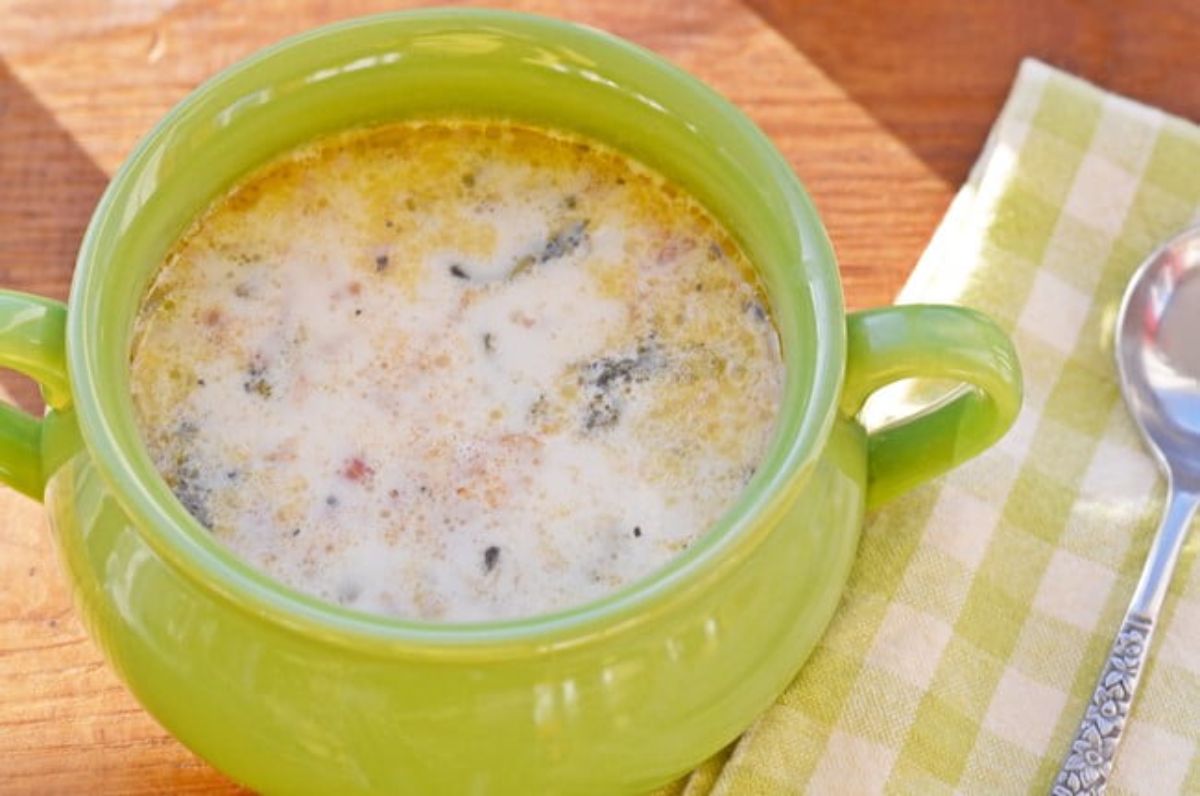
[[1089, 760]]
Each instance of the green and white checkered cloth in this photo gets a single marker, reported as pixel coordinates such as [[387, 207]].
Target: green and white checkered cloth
[[981, 607]]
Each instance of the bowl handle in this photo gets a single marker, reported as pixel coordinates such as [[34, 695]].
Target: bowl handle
[[32, 331], [936, 342]]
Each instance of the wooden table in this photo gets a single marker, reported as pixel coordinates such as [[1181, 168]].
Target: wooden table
[[881, 109]]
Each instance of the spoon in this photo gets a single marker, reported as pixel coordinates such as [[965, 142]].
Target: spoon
[[1158, 356]]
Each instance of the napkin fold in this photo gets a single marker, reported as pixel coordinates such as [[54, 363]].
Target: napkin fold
[[981, 606]]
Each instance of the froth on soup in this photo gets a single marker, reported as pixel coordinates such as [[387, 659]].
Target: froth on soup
[[456, 370]]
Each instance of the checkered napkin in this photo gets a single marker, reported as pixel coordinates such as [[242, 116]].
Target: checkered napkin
[[981, 607]]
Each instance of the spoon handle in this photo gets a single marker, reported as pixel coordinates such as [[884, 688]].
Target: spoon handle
[[1089, 761]]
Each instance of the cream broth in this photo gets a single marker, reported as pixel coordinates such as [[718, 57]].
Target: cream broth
[[456, 371]]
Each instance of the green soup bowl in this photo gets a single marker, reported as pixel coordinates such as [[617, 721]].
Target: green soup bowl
[[288, 694]]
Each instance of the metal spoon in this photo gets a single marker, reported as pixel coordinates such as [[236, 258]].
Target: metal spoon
[[1158, 356]]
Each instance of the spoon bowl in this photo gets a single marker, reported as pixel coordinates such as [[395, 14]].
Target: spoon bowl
[[1158, 355]]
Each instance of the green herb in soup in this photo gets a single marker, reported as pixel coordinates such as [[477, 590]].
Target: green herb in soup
[[456, 371]]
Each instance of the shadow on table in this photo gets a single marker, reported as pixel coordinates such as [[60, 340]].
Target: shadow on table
[[48, 187], [936, 73]]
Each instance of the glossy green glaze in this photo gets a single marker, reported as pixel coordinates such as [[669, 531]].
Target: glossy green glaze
[[288, 694]]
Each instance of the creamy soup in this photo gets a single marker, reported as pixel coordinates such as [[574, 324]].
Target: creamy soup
[[456, 371]]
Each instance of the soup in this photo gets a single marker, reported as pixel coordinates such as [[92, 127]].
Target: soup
[[456, 370]]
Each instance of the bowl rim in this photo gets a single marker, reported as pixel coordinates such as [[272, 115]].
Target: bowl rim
[[723, 548]]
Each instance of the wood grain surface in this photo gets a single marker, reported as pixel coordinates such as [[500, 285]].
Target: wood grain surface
[[880, 107]]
